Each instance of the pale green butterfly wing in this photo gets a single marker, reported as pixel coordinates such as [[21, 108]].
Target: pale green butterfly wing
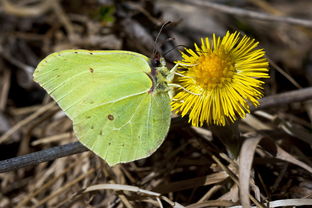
[[107, 95]]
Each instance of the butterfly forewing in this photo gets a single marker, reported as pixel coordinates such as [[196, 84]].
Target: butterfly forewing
[[107, 95]]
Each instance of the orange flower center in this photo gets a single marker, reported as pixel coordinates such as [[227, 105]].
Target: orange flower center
[[214, 70]]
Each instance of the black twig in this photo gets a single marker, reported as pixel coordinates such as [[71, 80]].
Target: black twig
[[41, 156]]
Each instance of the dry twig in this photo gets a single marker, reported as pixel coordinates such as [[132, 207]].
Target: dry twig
[[285, 98], [249, 14], [41, 156]]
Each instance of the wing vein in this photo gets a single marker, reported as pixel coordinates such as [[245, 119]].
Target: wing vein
[[67, 80]]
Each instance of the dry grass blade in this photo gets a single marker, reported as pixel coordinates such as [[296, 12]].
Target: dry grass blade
[[256, 123], [45, 186], [211, 203], [64, 188], [235, 179], [192, 183], [297, 131], [266, 7], [245, 161], [285, 203], [120, 187], [291, 202], [53, 138], [29, 11], [5, 89], [64, 19], [24, 110], [173, 204], [210, 193], [283, 155], [285, 74], [26, 121]]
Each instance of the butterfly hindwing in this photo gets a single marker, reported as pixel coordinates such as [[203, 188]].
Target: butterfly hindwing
[[126, 130], [107, 95]]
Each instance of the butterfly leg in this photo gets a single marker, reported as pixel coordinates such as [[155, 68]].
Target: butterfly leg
[[171, 73], [171, 85]]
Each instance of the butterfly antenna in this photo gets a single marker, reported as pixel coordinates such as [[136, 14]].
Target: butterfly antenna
[[174, 49], [156, 39]]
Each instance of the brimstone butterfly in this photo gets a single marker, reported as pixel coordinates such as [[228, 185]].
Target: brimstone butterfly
[[118, 100]]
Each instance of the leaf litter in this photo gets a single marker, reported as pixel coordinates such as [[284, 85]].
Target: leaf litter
[[191, 169]]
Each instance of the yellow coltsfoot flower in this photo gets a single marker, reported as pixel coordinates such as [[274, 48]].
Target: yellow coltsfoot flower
[[221, 79]]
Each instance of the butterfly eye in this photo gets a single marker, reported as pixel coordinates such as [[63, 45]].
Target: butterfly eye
[[155, 62]]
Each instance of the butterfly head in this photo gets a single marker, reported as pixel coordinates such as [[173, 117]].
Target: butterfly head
[[155, 61]]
